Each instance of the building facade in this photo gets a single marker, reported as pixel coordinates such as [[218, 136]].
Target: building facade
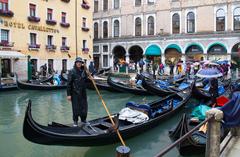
[[168, 29], [51, 32]]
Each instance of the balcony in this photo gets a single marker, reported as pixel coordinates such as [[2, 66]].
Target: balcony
[[33, 19], [6, 44], [65, 25], [66, 1], [51, 22], [85, 50], [65, 48], [6, 13], [34, 47], [85, 29], [51, 47], [85, 6]]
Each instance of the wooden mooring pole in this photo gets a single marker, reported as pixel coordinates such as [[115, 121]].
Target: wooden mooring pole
[[123, 151], [213, 133]]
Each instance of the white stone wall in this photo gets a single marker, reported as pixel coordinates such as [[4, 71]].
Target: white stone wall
[[20, 67]]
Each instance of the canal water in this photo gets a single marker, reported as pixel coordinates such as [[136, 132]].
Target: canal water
[[52, 106]]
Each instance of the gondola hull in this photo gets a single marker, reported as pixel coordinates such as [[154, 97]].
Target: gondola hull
[[101, 84], [31, 86], [8, 88], [150, 87], [126, 89], [96, 132]]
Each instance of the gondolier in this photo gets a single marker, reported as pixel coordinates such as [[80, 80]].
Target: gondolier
[[76, 91], [214, 90]]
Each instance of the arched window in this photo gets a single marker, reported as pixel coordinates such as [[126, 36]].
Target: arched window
[[236, 17], [175, 23], [220, 20], [116, 28], [138, 26], [105, 29], [190, 22], [95, 30], [150, 25]]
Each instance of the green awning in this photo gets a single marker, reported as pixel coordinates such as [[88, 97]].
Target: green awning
[[194, 48], [174, 46], [217, 48], [153, 50]]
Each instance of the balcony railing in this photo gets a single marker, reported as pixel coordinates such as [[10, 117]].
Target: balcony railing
[[51, 47], [34, 46], [66, 1], [66, 25], [85, 50], [6, 13], [85, 6], [51, 22], [33, 19], [6, 44], [65, 48], [85, 29]]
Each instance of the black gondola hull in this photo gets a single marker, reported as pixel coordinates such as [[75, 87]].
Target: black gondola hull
[[81, 136]]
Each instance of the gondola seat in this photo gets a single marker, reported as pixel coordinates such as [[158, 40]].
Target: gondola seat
[[140, 107]]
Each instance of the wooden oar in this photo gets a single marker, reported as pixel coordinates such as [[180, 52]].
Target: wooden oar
[[105, 106]]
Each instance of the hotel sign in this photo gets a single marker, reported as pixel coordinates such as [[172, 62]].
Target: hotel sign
[[19, 25]]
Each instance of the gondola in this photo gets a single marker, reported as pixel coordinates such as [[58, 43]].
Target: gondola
[[40, 85], [98, 132], [194, 144], [8, 87], [127, 88], [102, 84], [154, 87], [200, 93]]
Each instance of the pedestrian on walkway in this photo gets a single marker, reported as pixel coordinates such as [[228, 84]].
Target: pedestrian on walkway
[[76, 91]]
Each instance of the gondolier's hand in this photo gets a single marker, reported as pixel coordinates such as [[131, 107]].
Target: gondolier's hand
[[69, 98]]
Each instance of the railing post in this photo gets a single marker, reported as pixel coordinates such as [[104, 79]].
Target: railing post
[[213, 133]]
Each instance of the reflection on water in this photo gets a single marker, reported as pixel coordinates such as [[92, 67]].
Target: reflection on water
[[53, 106]]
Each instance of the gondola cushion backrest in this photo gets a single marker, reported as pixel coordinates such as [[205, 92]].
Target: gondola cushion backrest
[[140, 107]]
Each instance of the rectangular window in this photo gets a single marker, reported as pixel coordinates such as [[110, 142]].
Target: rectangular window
[[220, 24], [138, 3], [32, 9], [49, 14], [49, 40], [63, 17], [84, 44], [151, 2], [116, 4], [64, 41], [50, 66], [84, 22], [96, 6], [95, 49], [105, 60], [64, 65], [4, 5], [33, 39], [236, 22], [105, 48], [4, 35], [105, 5]]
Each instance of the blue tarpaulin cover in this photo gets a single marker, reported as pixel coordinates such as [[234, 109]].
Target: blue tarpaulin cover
[[231, 111]]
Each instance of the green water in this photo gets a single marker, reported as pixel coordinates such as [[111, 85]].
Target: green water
[[52, 106]]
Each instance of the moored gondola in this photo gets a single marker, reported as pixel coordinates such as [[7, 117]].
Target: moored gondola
[[196, 141], [41, 84], [201, 91], [126, 87], [102, 84], [8, 87], [98, 132]]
